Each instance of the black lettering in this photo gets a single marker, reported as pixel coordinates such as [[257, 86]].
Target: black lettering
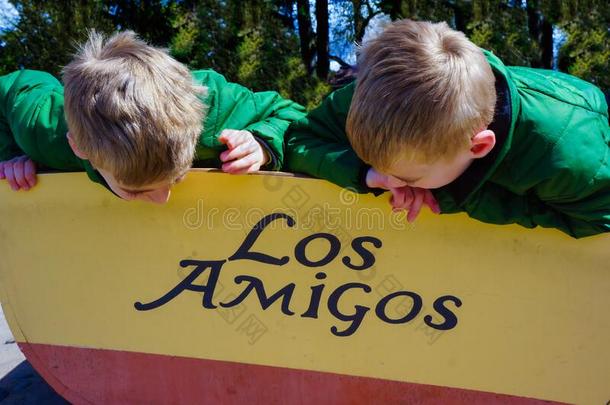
[[381, 307], [257, 285], [187, 284], [244, 253], [450, 318], [355, 318], [316, 295], [333, 250], [368, 258]]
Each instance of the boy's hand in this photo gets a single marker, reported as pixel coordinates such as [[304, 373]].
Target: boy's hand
[[404, 197], [412, 199], [20, 172], [244, 154]]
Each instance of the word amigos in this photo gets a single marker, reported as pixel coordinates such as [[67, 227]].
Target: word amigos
[[256, 285]]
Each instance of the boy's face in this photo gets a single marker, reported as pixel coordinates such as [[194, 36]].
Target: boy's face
[[443, 171], [158, 192], [430, 175]]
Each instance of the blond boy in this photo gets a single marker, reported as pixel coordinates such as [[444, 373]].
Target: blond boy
[[440, 122], [135, 120]]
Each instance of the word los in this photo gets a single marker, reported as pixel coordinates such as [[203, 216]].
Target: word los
[[254, 285]]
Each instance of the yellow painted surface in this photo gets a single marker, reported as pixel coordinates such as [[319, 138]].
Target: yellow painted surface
[[534, 319]]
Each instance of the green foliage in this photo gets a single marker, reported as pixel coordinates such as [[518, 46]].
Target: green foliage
[[504, 30], [269, 59], [255, 42], [425, 10], [249, 43], [206, 35], [151, 19], [586, 53], [520, 32], [46, 34], [300, 86]]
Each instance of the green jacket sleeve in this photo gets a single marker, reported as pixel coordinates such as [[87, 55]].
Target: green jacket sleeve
[[32, 120], [8, 146], [317, 145], [578, 215], [231, 106], [274, 115]]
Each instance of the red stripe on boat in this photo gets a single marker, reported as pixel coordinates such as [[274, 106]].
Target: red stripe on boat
[[85, 376]]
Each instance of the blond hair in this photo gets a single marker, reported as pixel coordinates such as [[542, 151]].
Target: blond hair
[[132, 109], [423, 90]]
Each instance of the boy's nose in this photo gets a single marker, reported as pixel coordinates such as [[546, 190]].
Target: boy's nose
[[160, 196]]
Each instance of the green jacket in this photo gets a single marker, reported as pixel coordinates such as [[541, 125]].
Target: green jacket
[[32, 120], [550, 166]]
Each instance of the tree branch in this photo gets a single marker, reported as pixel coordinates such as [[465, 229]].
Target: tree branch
[[340, 61]]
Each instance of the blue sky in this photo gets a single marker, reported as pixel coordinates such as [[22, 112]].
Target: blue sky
[[8, 15]]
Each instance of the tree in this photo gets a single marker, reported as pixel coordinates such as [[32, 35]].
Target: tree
[[503, 28], [540, 30], [323, 63], [208, 34], [47, 32], [418, 10], [252, 43], [362, 20], [305, 33], [151, 19], [257, 42], [586, 52]]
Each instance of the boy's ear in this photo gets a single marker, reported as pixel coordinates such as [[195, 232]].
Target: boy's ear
[[75, 149], [482, 143]]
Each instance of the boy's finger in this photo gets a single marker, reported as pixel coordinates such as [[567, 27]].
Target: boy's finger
[[401, 198], [431, 202], [240, 164], [19, 172], [30, 172], [226, 137], [225, 134], [415, 208], [232, 138], [251, 169], [10, 177], [254, 168], [395, 199], [407, 193], [241, 150]]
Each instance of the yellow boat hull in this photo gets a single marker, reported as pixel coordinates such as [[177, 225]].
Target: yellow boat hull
[[270, 288]]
